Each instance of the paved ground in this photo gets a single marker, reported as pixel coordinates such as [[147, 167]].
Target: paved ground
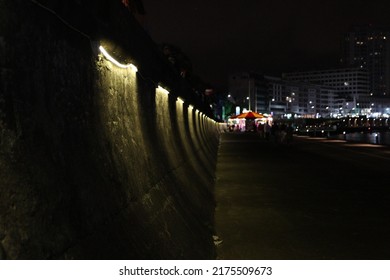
[[310, 200]]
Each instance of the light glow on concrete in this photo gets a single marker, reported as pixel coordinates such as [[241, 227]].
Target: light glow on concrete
[[113, 60], [163, 89]]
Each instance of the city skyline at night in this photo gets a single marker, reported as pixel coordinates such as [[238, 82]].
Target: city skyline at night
[[268, 38]]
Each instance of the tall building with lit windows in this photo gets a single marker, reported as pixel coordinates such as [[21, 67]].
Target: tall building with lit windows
[[350, 84], [283, 98], [368, 47]]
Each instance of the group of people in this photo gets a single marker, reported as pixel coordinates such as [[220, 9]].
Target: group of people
[[280, 132]]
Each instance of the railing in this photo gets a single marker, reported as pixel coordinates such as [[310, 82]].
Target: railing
[[373, 135]]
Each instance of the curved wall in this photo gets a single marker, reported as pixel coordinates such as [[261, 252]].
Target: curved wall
[[96, 161]]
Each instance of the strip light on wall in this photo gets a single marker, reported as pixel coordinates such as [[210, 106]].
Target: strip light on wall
[[135, 69], [110, 58], [103, 51], [163, 89]]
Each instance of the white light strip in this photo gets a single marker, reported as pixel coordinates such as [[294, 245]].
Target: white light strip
[[110, 58], [180, 100], [163, 89]]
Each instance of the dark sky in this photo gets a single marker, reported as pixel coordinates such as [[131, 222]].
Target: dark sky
[[275, 36]]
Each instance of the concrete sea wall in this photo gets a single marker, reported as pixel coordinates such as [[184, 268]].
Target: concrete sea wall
[[97, 161]]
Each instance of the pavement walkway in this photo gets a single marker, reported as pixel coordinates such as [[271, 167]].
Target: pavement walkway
[[277, 202]]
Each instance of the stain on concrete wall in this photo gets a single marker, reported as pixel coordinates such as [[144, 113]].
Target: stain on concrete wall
[[95, 161]]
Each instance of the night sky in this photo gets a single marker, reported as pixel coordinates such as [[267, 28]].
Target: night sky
[[271, 37]]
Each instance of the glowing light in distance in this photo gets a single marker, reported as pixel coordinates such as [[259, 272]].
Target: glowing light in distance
[[163, 89], [190, 107], [110, 58], [180, 100]]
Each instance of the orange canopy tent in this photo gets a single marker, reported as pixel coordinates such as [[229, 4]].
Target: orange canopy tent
[[248, 115]]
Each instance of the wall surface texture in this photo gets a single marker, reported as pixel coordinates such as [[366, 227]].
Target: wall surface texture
[[96, 162]]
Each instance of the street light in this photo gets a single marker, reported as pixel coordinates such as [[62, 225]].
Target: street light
[[249, 92], [249, 103]]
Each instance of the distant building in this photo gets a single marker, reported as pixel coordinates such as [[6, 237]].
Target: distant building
[[368, 47], [350, 84], [283, 98], [361, 87], [312, 100]]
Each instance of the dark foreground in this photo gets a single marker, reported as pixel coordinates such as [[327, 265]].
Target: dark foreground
[[312, 200]]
